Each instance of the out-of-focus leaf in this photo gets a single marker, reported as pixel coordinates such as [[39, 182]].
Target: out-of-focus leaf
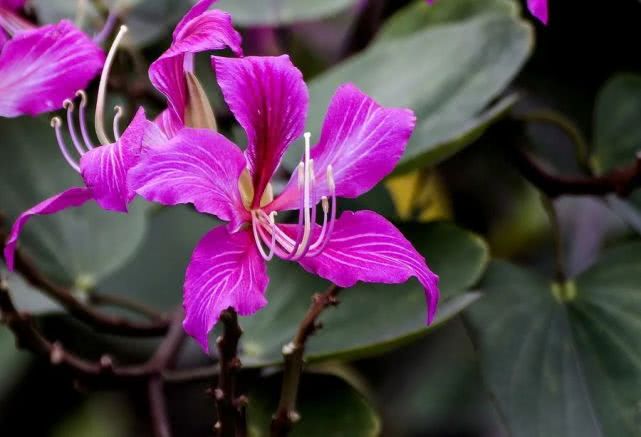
[[564, 360], [279, 12], [328, 407], [156, 274], [420, 196], [147, 20], [100, 416], [78, 245], [371, 318], [419, 14], [617, 132], [450, 94], [12, 361]]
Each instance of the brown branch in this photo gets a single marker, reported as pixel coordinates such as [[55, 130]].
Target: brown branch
[[286, 415], [99, 321], [102, 299], [621, 181], [230, 409]]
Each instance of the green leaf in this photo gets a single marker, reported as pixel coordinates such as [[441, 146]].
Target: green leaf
[[156, 274], [329, 407], [419, 14], [371, 318], [13, 362], [147, 20], [449, 93], [564, 360], [78, 245], [617, 132], [27, 298], [279, 12]]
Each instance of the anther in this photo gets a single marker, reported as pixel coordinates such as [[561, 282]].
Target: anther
[[69, 106], [83, 119], [117, 118], [102, 88], [56, 123]]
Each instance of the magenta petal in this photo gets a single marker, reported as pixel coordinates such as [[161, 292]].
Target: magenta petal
[[225, 271], [361, 140], [12, 5], [104, 169], [71, 198], [269, 99], [41, 68], [199, 31], [366, 247], [539, 8], [197, 166], [168, 124]]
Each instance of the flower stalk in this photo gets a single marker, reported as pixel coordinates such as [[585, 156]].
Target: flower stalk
[[286, 415], [231, 409]]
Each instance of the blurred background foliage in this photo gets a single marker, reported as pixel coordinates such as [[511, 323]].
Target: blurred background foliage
[[514, 351]]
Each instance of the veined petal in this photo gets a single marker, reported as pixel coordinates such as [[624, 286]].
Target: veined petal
[[168, 124], [12, 5], [197, 9], [225, 271], [269, 99], [71, 198], [41, 68], [366, 247], [197, 166], [361, 140], [539, 8], [200, 30], [104, 169]]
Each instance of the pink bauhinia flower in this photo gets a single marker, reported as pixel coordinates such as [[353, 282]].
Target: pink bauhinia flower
[[103, 169], [41, 67], [199, 30], [360, 143]]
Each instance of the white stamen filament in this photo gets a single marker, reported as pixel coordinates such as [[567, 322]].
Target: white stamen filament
[[102, 88], [56, 123], [117, 118], [83, 119], [68, 104], [267, 232]]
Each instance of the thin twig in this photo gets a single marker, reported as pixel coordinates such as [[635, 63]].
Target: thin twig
[[230, 408], [99, 321], [621, 181], [188, 375], [286, 415], [158, 407], [103, 299]]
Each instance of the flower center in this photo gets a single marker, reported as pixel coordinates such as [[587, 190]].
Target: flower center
[[86, 144], [267, 232]]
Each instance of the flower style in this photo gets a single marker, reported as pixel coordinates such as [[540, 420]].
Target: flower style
[[41, 67], [173, 72], [103, 169], [360, 143]]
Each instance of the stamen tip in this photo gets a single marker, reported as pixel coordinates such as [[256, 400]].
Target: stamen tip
[[307, 135], [68, 104], [56, 122], [123, 29], [83, 97]]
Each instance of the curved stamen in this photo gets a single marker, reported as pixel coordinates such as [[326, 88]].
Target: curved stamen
[[306, 243], [102, 88], [69, 106], [83, 119], [56, 123], [303, 237], [117, 118], [323, 239], [260, 237]]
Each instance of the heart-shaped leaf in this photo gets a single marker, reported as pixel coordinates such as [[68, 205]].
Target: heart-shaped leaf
[[371, 318], [279, 12], [564, 359], [78, 245]]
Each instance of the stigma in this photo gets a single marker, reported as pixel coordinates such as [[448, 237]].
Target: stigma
[[267, 232], [83, 143]]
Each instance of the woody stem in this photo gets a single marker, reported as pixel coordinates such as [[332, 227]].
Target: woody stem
[[286, 415], [231, 409]]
